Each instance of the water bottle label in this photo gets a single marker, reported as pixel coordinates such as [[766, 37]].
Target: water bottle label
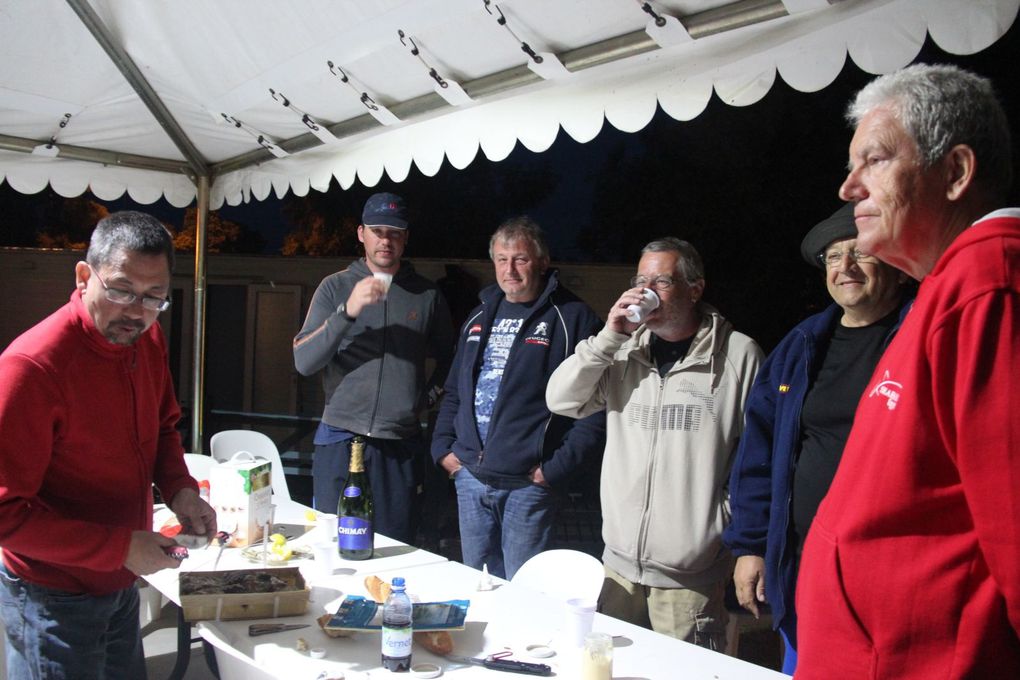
[[396, 642], [354, 533], [352, 492]]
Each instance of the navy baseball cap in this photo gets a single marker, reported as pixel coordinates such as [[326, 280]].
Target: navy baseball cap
[[385, 210], [838, 226]]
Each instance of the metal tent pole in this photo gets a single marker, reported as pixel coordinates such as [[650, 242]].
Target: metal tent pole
[[198, 343]]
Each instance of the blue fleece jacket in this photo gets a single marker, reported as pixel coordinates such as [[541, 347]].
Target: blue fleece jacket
[[522, 431], [761, 480]]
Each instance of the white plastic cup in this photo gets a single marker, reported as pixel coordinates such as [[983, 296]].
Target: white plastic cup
[[578, 618], [386, 279], [327, 527], [324, 552], [649, 301]]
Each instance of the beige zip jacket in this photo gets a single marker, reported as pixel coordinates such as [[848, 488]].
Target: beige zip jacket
[[669, 446]]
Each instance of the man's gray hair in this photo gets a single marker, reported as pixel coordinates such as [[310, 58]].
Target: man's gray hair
[[940, 106], [523, 228], [688, 261], [129, 231]]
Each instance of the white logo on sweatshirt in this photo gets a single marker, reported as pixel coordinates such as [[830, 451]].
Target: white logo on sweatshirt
[[889, 390]]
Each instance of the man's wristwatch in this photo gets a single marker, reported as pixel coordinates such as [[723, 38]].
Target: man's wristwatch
[[342, 311]]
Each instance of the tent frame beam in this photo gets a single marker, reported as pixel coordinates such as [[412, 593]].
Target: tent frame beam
[[699, 25], [198, 171], [102, 156], [133, 75]]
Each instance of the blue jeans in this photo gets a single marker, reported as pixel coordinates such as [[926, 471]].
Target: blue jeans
[[503, 525], [57, 635]]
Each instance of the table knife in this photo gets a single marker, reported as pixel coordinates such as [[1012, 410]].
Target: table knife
[[503, 664], [267, 628], [223, 537]]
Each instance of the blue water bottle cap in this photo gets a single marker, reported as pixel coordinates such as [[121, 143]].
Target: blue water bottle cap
[[398, 581]]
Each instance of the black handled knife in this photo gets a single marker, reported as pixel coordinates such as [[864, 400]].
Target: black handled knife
[[503, 664]]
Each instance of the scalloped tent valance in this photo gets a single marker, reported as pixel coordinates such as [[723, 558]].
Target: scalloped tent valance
[[236, 77]]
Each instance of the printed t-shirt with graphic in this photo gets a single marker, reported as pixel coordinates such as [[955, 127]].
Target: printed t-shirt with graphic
[[507, 324]]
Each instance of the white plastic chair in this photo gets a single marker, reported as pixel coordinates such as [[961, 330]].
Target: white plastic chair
[[228, 442], [232, 664], [198, 465], [563, 574]]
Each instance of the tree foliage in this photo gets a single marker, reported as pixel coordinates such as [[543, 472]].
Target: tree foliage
[[325, 225], [222, 236]]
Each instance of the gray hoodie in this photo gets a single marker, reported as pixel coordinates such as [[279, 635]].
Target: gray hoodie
[[374, 376], [669, 445]]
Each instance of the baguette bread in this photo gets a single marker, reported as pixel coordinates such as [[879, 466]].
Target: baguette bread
[[324, 619], [436, 641], [377, 589]]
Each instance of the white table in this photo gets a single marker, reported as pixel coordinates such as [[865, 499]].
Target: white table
[[507, 618], [389, 555]]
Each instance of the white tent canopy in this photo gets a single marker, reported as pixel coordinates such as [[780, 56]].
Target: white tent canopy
[[206, 67]]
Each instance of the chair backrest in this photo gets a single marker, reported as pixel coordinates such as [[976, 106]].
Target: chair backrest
[[225, 444], [563, 574], [198, 465], [232, 664]]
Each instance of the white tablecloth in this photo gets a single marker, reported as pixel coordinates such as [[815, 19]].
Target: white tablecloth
[[508, 618], [389, 554]]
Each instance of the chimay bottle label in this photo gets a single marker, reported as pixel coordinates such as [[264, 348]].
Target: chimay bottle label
[[354, 533]]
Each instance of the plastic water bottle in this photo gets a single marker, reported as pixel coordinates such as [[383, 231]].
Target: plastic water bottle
[[396, 629]]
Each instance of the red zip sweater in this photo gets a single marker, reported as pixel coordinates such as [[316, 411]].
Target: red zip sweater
[[86, 427], [912, 565]]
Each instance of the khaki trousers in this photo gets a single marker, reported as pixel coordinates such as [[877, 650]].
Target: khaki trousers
[[695, 615]]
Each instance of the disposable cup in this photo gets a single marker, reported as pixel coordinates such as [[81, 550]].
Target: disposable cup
[[386, 279], [324, 554], [649, 302], [327, 527], [579, 615]]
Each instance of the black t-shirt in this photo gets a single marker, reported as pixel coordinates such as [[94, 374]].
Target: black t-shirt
[[828, 414], [666, 353]]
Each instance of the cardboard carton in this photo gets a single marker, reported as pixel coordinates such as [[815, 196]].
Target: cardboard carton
[[241, 493]]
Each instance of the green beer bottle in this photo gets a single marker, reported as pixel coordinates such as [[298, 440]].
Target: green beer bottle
[[355, 536]]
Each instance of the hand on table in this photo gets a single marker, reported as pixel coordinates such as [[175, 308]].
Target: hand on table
[[749, 580]]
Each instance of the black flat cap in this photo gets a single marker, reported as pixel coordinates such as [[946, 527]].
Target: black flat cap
[[837, 227]]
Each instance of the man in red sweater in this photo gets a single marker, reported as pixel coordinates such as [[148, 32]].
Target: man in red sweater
[[87, 424], [912, 565]]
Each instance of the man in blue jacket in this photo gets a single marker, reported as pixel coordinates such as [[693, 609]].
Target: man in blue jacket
[[512, 459], [799, 414]]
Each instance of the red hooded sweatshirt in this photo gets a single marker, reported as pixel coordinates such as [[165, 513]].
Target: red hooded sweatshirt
[[912, 565]]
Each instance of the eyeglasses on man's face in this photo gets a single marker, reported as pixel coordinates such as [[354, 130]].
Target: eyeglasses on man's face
[[124, 297], [658, 283], [834, 257]]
